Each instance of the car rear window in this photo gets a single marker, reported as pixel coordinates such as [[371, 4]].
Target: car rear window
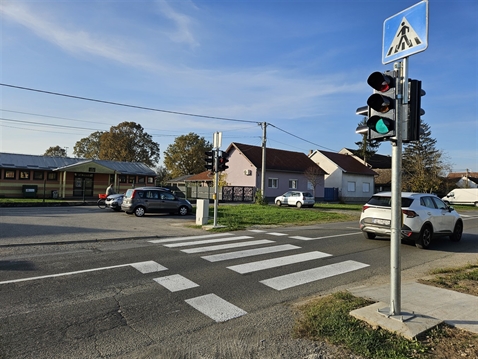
[[128, 193], [383, 201], [307, 194]]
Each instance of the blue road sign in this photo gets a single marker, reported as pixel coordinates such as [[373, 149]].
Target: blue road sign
[[405, 33]]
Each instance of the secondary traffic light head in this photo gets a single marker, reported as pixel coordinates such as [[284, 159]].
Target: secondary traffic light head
[[381, 106], [210, 163], [413, 112], [222, 161]]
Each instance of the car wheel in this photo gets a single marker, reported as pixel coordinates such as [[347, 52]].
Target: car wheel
[[278, 203], [457, 232], [369, 235], [183, 210], [139, 211], [299, 204], [425, 237]]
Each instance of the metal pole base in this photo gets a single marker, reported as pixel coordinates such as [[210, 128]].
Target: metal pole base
[[402, 317]]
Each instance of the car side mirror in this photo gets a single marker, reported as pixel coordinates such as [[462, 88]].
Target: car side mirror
[[450, 209]]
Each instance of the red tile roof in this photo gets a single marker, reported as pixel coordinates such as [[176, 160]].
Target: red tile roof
[[348, 163], [276, 160]]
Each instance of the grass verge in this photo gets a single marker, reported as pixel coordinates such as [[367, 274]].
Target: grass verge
[[327, 319], [236, 217]]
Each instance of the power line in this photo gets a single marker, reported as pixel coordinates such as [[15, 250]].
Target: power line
[[126, 105], [300, 138]]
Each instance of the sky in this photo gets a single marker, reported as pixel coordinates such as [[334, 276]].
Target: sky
[[183, 66]]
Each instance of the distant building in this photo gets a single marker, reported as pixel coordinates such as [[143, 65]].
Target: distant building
[[65, 177]]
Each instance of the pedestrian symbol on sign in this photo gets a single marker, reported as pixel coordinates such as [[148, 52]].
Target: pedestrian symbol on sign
[[405, 39]]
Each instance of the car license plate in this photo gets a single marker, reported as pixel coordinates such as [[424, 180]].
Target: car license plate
[[383, 222]]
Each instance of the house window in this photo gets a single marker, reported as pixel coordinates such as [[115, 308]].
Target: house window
[[9, 174], [122, 179], [273, 182], [24, 175], [52, 176], [140, 179], [150, 180], [293, 183], [366, 187], [310, 186], [351, 186], [38, 175], [131, 179]]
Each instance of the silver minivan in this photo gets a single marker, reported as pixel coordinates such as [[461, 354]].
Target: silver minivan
[[154, 199]]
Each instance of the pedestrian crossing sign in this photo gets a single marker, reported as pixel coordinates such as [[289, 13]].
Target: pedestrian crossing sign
[[405, 33]]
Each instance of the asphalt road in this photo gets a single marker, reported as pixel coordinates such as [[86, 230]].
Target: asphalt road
[[90, 283]]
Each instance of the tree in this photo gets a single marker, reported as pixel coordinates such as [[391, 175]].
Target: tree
[[56, 151], [186, 155], [128, 142], [313, 175], [423, 166], [162, 176], [365, 149], [125, 142], [89, 147]]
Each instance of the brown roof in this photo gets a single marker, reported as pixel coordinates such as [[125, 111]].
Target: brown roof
[[276, 160], [348, 163], [203, 176], [470, 175]]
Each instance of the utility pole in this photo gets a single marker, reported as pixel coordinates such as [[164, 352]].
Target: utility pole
[[263, 170]]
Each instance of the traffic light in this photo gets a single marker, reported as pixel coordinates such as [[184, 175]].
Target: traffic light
[[222, 161], [413, 111], [210, 162], [381, 106]]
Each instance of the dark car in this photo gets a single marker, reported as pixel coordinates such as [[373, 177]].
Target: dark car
[[154, 200]]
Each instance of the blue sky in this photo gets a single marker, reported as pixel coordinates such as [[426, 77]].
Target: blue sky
[[300, 66]]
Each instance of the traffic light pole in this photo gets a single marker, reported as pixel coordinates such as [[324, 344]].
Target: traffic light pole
[[216, 184], [395, 310]]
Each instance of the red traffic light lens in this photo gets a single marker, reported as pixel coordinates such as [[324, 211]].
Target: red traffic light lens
[[380, 82]]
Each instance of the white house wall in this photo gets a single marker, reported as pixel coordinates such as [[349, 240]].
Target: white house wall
[[356, 188], [241, 172]]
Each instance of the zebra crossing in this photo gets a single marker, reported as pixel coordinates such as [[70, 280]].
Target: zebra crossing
[[230, 247]]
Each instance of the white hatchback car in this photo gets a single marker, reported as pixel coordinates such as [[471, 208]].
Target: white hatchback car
[[424, 216], [296, 198]]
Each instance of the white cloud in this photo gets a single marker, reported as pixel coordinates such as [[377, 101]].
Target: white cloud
[[183, 33]]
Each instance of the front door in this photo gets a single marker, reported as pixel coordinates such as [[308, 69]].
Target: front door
[[83, 185]]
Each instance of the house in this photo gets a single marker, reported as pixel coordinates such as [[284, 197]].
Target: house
[[284, 170], [73, 178], [354, 180], [465, 179], [381, 164]]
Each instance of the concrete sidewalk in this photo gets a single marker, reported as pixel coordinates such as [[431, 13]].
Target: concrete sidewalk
[[429, 305]]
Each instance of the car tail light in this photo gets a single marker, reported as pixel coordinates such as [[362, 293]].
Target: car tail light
[[409, 213], [365, 207], [133, 193]]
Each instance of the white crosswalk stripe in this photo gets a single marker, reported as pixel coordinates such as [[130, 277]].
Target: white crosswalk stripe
[[277, 262], [206, 241], [226, 246], [249, 253], [216, 308], [178, 239], [175, 282], [312, 275]]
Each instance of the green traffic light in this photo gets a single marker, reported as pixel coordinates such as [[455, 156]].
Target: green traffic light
[[380, 125]]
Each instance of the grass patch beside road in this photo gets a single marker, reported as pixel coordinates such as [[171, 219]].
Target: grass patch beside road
[[236, 217], [327, 318]]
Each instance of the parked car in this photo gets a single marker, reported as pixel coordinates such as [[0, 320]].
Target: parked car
[[462, 196], [295, 198], [424, 216], [114, 201], [154, 199]]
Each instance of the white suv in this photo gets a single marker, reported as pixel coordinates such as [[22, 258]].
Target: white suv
[[295, 198], [424, 216]]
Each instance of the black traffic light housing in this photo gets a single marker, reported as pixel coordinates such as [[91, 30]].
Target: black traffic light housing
[[222, 161], [210, 160], [381, 106], [413, 111]]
